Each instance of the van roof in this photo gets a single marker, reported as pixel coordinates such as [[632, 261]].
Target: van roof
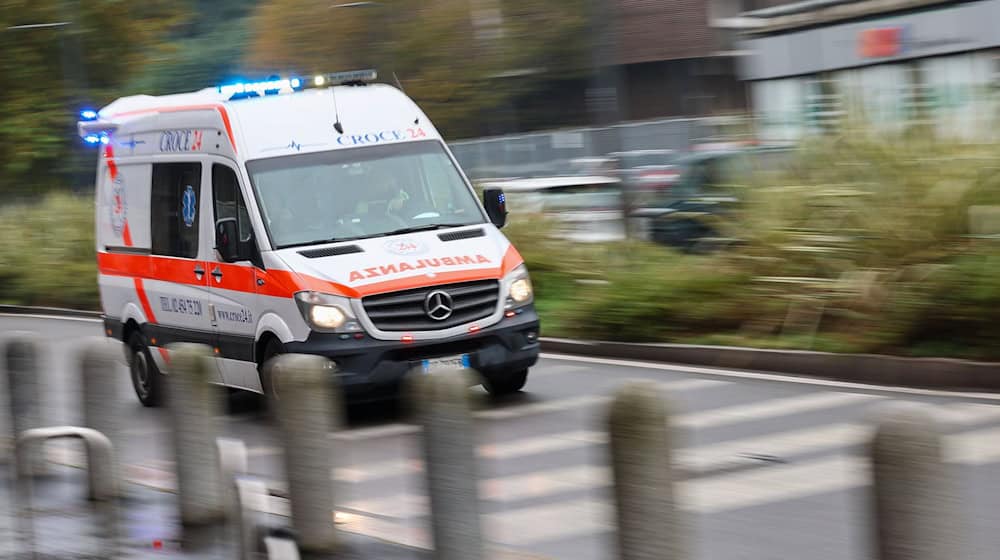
[[274, 125]]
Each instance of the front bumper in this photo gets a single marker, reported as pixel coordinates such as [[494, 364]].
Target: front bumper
[[370, 369]]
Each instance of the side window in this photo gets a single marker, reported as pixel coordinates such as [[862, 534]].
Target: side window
[[173, 207], [228, 199]]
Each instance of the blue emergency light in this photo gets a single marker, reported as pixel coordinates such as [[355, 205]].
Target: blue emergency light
[[276, 86], [97, 139], [241, 90], [88, 115]]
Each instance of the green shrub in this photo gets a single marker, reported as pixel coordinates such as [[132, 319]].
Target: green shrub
[[47, 257]]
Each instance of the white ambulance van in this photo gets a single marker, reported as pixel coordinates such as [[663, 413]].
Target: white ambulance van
[[323, 216]]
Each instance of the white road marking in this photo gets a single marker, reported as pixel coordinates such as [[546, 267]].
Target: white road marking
[[775, 484], [771, 408], [583, 401], [978, 447], [549, 522], [782, 378], [523, 447], [544, 483]]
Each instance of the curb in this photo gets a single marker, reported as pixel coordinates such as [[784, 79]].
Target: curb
[[872, 369], [57, 311]]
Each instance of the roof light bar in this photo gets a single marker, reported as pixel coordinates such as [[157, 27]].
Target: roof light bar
[[349, 77], [267, 87]]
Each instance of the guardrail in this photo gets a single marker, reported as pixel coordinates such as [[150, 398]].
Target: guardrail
[[912, 505]]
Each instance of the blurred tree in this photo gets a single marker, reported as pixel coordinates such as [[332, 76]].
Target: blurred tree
[[460, 59], [204, 49], [47, 73]]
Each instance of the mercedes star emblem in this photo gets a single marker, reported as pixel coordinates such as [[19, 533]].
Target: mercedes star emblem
[[438, 305]]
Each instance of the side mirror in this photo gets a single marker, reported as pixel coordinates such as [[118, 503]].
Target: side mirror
[[496, 206], [227, 241]]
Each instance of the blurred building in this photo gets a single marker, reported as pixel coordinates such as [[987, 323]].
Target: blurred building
[[659, 59], [889, 63]]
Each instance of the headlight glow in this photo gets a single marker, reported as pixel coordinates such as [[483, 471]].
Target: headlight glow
[[520, 290], [327, 316], [327, 312]]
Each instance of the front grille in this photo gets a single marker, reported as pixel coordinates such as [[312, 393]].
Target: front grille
[[404, 311]]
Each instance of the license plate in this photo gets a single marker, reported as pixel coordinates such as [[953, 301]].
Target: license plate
[[450, 363]]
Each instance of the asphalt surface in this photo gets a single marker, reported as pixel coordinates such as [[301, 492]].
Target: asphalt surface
[[774, 466]]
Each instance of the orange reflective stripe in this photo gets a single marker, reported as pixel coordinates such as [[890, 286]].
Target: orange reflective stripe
[[146, 308], [511, 260], [281, 283]]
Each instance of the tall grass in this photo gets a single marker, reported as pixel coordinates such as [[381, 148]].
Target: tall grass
[[47, 254]]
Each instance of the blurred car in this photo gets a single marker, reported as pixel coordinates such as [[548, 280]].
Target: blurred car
[[647, 172], [707, 190], [587, 208]]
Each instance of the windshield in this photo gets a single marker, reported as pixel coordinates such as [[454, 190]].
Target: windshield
[[362, 192]]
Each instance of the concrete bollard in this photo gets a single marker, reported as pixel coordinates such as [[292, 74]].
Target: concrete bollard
[[649, 522], [307, 413], [915, 506], [194, 404], [441, 405], [102, 369], [24, 381]]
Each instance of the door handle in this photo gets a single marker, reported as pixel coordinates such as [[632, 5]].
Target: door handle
[[199, 272], [217, 273]]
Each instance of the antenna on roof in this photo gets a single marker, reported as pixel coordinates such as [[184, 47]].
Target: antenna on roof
[[398, 85], [336, 113]]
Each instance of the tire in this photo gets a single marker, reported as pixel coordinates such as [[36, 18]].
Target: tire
[[273, 348], [498, 386], [146, 378]]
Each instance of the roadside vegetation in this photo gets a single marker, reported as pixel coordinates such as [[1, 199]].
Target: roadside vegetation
[[860, 245]]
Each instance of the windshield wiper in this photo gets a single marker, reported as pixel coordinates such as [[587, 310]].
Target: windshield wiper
[[414, 229], [323, 241]]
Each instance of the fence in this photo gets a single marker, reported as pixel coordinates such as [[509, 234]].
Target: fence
[[550, 152], [912, 503]]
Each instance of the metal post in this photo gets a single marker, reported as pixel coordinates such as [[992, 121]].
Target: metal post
[[102, 487], [102, 369], [194, 404], [914, 503], [251, 497], [649, 522], [441, 403], [308, 412], [232, 463], [24, 380]]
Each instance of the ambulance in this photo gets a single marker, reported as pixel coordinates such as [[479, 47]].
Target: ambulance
[[321, 215]]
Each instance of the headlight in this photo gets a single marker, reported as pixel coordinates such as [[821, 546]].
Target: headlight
[[520, 290], [327, 316], [518, 286], [326, 312]]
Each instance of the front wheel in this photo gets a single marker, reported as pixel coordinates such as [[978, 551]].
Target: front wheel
[[146, 377], [500, 385], [272, 349]]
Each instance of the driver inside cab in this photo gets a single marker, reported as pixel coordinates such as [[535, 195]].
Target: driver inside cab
[[386, 193]]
